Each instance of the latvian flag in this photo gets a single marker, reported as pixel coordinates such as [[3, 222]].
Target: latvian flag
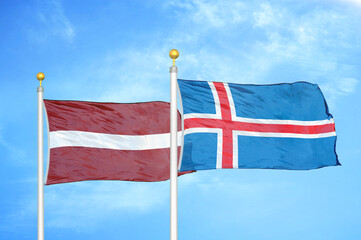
[[281, 126], [108, 141]]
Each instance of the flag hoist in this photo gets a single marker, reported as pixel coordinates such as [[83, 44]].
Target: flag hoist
[[173, 147], [40, 76]]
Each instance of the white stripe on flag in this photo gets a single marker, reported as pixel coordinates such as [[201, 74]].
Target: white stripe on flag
[[262, 121], [110, 141], [284, 135], [231, 103], [286, 122], [235, 149]]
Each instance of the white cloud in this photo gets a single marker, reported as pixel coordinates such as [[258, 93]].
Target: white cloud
[[135, 75], [85, 204], [219, 186], [338, 87], [348, 85], [123, 75], [211, 13], [82, 206], [267, 15], [278, 37], [313, 44], [308, 41], [352, 2], [229, 41], [52, 22], [14, 152]]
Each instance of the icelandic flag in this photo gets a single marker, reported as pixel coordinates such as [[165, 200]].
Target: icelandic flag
[[280, 126]]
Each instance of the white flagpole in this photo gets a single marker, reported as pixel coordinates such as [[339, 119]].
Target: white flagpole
[[173, 148], [40, 76]]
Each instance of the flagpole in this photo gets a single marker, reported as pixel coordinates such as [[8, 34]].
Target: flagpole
[[173, 148], [40, 76]]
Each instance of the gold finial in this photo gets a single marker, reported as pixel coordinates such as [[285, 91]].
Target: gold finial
[[40, 76], [173, 54]]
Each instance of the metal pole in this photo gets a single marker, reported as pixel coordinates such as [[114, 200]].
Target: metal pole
[[40, 90], [173, 148]]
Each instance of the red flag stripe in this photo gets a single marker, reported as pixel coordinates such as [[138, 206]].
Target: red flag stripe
[[112, 118], [227, 157], [72, 164], [256, 127], [223, 101]]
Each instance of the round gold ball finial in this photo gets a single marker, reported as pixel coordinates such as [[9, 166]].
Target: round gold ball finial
[[40, 76], [173, 54]]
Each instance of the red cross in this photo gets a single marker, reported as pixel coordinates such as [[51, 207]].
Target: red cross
[[227, 125]]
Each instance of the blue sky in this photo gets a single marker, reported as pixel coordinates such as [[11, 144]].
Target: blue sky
[[118, 51]]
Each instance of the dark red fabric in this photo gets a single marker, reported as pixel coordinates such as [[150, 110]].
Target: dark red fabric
[[71, 164], [113, 118]]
